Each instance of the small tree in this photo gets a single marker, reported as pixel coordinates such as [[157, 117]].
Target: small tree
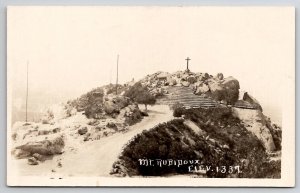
[[146, 98], [140, 94]]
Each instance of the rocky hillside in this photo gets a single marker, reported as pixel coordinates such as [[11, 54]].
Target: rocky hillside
[[217, 87], [215, 123], [95, 115], [213, 136], [201, 90]]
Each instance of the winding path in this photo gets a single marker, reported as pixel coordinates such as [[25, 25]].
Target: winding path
[[96, 158]]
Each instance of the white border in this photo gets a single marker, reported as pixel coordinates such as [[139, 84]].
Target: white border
[[288, 154]]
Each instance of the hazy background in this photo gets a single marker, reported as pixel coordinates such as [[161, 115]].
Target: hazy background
[[71, 50]]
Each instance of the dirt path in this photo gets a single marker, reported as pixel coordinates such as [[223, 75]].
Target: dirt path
[[95, 158]]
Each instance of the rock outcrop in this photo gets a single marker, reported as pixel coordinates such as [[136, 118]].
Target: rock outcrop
[[218, 88], [255, 122], [252, 101], [44, 147]]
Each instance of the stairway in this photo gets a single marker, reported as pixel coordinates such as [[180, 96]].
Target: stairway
[[186, 97]]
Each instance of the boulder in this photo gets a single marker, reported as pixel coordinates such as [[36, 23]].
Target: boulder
[[255, 122], [231, 83], [32, 161], [252, 101], [157, 92], [191, 79], [226, 90], [205, 76], [184, 76], [82, 131], [163, 75], [231, 86], [216, 89], [44, 147], [111, 125], [144, 113], [201, 89], [185, 83], [198, 83], [56, 130], [220, 76], [171, 81], [110, 107]]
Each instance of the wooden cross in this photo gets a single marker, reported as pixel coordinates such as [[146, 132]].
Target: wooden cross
[[187, 63]]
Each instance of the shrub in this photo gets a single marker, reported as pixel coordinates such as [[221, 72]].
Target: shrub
[[165, 141], [175, 140], [140, 94], [91, 103], [135, 117], [178, 109]]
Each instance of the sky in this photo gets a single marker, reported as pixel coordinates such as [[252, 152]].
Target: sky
[[71, 50]]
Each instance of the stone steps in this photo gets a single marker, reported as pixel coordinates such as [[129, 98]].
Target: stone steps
[[186, 97]]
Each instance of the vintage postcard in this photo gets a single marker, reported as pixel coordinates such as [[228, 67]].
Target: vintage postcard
[[150, 96]]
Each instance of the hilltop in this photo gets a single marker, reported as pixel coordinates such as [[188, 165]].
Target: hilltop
[[208, 111]]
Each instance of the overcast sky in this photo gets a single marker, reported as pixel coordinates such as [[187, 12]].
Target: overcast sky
[[73, 49]]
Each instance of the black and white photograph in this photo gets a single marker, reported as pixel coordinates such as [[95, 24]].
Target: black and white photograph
[[150, 96]]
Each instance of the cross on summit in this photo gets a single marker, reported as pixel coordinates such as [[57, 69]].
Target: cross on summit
[[187, 64]]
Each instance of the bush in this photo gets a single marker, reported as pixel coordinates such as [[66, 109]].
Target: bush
[[135, 117], [178, 109], [91, 103], [140, 94], [165, 141], [178, 112]]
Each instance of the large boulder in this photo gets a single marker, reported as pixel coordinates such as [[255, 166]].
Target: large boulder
[[216, 89], [231, 86], [163, 75], [43, 147], [226, 90], [191, 79], [110, 107], [171, 81]]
